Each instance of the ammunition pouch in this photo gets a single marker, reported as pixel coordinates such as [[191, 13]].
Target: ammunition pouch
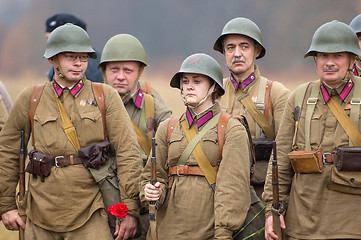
[[306, 161], [40, 164], [345, 175], [263, 148], [95, 155], [348, 159]]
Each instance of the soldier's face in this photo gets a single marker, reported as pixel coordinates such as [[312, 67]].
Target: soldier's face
[[195, 87], [122, 75], [332, 67], [240, 53], [73, 69]]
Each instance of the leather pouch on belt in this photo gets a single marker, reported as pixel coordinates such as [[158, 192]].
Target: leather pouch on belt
[[40, 164], [348, 159], [306, 161], [95, 155], [263, 148]]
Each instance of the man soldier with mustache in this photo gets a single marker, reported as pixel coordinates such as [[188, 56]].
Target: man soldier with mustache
[[318, 145], [247, 93]]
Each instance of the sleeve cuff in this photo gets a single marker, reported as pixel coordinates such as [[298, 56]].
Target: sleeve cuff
[[222, 233]]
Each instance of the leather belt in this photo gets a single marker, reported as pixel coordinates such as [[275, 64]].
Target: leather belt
[[62, 161], [328, 158], [184, 170]]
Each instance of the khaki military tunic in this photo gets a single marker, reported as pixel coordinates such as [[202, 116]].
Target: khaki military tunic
[[314, 211], [3, 113], [190, 209], [69, 196], [135, 105], [278, 96]]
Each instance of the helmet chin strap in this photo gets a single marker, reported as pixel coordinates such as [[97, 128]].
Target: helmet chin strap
[[210, 91], [58, 68]]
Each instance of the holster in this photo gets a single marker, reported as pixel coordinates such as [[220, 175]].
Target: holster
[[306, 161], [263, 148], [348, 159], [40, 164], [95, 155]]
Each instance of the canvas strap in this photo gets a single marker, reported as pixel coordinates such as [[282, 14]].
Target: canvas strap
[[142, 139], [68, 126], [346, 122], [195, 148], [257, 115]]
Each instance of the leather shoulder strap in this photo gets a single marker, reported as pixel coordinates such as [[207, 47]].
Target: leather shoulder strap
[[35, 97], [222, 125], [171, 125], [147, 88], [99, 98], [267, 99]]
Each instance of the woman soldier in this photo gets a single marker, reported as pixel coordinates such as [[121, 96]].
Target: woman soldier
[[202, 192]]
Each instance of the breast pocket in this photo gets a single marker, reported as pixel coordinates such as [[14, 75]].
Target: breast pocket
[[175, 148], [91, 127], [46, 131], [316, 129], [210, 147]]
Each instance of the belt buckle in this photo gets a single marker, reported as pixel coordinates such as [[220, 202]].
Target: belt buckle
[[178, 174], [324, 158], [56, 160], [259, 106]]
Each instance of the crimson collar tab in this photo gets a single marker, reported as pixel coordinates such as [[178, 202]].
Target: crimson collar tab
[[354, 70], [73, 90], [344, 93], [201, 120], [244, 83], [139, 99]]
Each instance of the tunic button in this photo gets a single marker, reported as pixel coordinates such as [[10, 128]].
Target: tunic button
[[352, 180]]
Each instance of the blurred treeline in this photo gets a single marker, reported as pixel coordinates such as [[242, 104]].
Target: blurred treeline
[[169, 30]]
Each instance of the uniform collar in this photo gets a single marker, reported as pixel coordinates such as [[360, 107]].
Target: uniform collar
[[137, 98], [343, 90], [356, 70], [73, 89], [246, 82], [203, 117]]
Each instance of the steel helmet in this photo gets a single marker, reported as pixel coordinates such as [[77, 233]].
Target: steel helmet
[[333, 37], [123, 47], [355, 24], [202, 64], [68, 38], [242, 26]]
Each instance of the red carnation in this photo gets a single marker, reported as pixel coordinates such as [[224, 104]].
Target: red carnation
[[118, 210]]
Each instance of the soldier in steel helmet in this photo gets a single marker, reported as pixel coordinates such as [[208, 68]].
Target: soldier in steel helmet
[[122, 63], [319, 131], [355, 24], [191, 204], [92, 72], [63, 200], [248, 93]]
